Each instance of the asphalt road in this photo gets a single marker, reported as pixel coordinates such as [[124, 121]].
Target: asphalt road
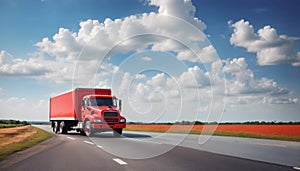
[[133, 151], [270, 151]]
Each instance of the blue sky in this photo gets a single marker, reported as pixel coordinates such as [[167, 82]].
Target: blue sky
[[45, 50]]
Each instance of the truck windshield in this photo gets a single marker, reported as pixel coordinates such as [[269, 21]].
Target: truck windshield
[[103, 102]]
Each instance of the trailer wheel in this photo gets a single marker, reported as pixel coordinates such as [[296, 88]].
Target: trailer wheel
[[88, 129], [62, 128], [55, 127], [118, 132]]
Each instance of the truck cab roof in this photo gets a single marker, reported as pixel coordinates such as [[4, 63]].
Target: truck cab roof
[[98, 96]]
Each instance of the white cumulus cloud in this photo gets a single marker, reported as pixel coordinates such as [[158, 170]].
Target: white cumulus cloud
[[38, 68], [21, 67], [57, 56], [244, 88], [179, 8], [175, 20], [270, 48]]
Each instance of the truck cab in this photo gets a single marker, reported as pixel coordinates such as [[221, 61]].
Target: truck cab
[[101, 113]]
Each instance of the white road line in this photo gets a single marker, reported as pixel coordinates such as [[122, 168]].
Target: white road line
[[71, 138], [256, 143], [296, 168], [88, 142], [99, 146], [144, 141], [119, 161], [265, 144]]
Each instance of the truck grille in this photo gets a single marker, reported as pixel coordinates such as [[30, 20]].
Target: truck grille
[[111, 117], [111, 120], [110, 114]]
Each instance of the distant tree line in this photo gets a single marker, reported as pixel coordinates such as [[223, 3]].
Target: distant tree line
[[221, 123], [39, 122], [16, 122]]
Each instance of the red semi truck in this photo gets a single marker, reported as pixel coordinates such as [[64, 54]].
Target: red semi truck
[[86, 110]]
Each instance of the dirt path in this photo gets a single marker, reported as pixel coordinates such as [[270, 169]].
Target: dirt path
[[14, 135]]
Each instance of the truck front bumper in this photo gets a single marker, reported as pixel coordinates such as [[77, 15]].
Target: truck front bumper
[[102, 126]]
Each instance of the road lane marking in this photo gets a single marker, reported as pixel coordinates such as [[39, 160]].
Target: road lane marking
[[296, 168], [119, 161], [88, 142], [255, 143], [71, 138], [143, 141], [99, 146], [266, 144]]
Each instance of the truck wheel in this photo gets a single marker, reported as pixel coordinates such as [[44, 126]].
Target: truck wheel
[[56, 127], [62, 128], [118, 132], [88, 129], [82, 132]]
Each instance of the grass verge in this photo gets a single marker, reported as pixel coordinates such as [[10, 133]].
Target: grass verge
[[38, 137], [224, 133]]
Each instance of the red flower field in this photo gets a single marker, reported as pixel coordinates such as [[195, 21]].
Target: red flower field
[[282, 130]]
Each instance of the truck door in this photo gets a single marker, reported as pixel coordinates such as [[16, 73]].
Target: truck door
[[84, 109]]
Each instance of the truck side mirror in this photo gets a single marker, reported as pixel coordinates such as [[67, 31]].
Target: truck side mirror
[[120, 104], [82, 103]]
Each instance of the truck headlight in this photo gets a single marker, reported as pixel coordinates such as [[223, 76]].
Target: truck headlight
[[122, 120], [97, 120]]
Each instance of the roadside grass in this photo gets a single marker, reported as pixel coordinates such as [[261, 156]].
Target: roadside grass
[[223, 133], [2, 125], [38, 137]]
